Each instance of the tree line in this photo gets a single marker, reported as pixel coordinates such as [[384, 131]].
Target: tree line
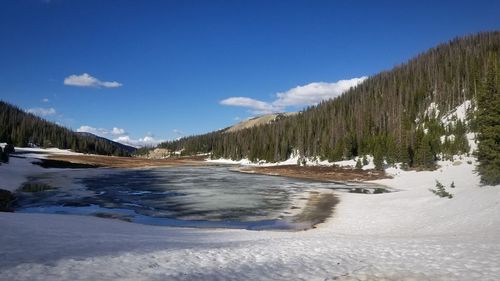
[[23, 129], [386, 116]]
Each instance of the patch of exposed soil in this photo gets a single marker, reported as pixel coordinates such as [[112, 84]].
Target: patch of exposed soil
[[318, 209], [320, 173], [128, 162]]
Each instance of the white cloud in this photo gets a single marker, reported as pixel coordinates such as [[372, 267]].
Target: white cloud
[[45, 100], [306, 95], [257, 106], [101, 131], [315, 92], [96, 131], [86, 80], [145, 141], [117, 131], [40, 111]]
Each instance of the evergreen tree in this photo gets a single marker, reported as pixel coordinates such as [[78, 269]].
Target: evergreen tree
[[424, 156], [488, 120], [378, 158], [358, 164], [365, 160], [22, 129]]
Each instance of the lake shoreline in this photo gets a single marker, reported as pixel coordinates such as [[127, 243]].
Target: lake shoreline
[[312, 208], [317, 173]]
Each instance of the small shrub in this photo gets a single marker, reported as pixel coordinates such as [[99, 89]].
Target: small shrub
[[358, 164], [379, 190], [452, 184], [365, 161], [441, 191]]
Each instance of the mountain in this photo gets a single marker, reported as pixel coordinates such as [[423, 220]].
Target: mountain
[[23, 129], [257, 121], [394, 115], [124, 147]]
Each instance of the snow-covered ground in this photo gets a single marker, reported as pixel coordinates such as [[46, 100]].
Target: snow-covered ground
[[410, 234], [12, 175], [293, 160]]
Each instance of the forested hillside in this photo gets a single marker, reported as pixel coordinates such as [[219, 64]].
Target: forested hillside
[[386, 116], [22, 129]]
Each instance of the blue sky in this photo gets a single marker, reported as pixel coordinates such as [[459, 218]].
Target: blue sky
[[163, 69]]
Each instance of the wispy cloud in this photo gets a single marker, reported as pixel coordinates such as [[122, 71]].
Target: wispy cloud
[[145, 141], [305, 95], [40, 111], [257, 106], [101, 131], [315, 92], [86, 80], [89, 129], [45, 100], [117, 131]]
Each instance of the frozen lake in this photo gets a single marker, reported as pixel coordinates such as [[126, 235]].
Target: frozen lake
[[183, 196]]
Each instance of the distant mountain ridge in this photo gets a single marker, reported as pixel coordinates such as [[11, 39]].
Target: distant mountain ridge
[[23, 129], [128, 148]]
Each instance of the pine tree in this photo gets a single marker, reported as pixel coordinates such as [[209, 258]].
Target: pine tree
[[488, 120], [378, 158], [424, 157], [358, 164], [365, 160]]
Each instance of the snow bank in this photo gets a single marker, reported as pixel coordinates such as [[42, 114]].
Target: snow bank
[[293, 160], [225, 161], [460, 113], [414, 210], [410, 234], [16, 172], [43, 152]]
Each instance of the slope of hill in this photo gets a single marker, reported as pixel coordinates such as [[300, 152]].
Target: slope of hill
[[394, 115], [257, 121], [23, 129], [124, 147]]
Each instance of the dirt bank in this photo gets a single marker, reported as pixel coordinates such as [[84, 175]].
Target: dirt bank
[[321, 173]]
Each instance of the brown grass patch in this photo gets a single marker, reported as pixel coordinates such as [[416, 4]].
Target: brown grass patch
[[129, 162], [320, 173]]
